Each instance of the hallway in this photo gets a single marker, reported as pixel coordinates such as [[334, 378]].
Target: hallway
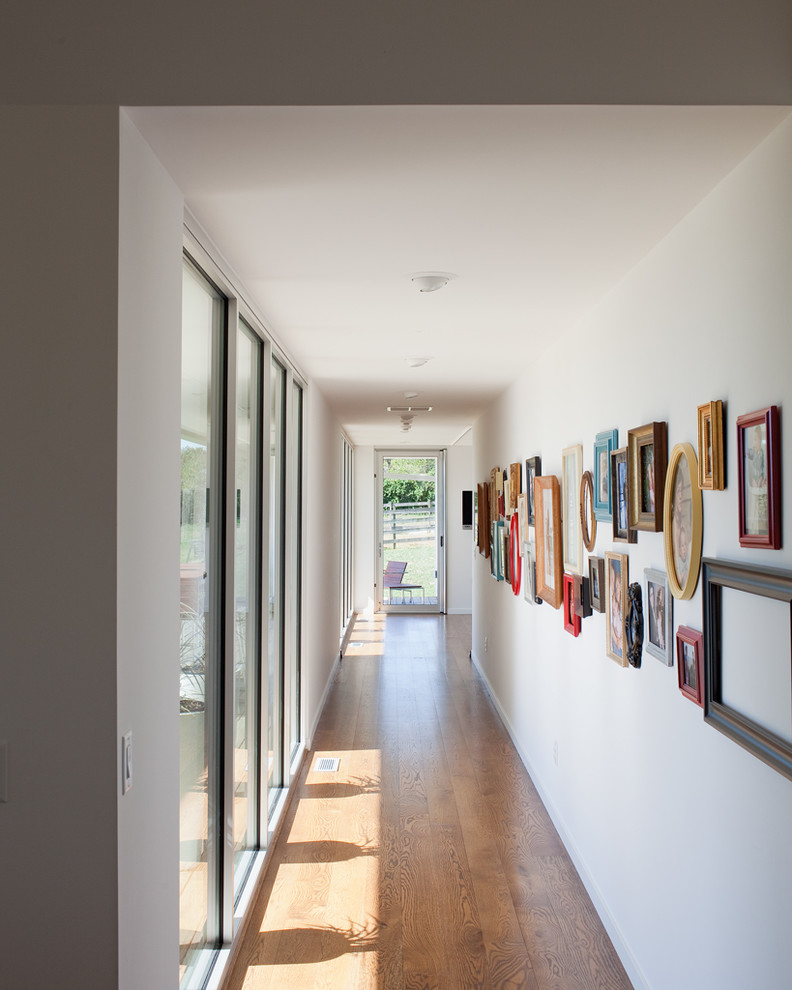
[[427, 860]]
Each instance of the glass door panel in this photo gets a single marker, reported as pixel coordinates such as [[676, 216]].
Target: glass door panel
[[294, 494], [201, 462], [276, 557], [247, 609]]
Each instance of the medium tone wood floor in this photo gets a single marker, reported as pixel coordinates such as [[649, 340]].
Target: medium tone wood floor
[[428, 861]]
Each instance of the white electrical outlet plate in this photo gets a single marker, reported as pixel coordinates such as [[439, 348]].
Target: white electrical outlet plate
[[126, 762]]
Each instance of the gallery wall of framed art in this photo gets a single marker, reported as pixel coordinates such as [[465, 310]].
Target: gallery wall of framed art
[[704, 347]]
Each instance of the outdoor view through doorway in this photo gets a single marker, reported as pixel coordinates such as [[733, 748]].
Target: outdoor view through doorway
[[410, 540]]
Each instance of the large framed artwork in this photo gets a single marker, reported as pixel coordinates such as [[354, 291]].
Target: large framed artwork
[[572, 472], [759, 469], [748, 658], [604, 444], [616, 580], [549, 554], [682, 521]]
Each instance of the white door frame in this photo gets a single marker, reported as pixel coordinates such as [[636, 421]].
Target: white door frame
[[440, 511]]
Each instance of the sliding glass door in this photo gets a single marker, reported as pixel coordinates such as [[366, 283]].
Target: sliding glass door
[[240, 607]]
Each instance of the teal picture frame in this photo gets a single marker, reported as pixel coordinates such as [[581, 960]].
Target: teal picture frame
[[604, 444]]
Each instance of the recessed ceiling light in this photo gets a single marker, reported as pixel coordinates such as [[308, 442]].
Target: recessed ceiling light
[[431, 281]]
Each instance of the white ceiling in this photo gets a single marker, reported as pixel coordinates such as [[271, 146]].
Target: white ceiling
[[325, 212]]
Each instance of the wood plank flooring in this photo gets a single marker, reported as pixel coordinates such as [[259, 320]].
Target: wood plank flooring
[[427, 862]]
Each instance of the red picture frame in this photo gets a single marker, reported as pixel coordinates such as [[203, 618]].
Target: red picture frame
[[759, 472], [515, 559], [571, 618], [690, 664]]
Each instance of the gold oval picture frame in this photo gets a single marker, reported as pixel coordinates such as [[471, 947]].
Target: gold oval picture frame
[[682, 521], [588, 521]]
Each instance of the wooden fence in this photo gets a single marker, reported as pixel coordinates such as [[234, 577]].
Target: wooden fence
[[408, 522]]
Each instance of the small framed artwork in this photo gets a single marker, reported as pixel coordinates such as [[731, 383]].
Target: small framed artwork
[[659, 618], [617, 578], [529, 575], [597, 583], [588, 518], [533, 468], [604, 445], [682, 521], [748, 658], [634, 625], [515, 484], [710, 446], [571, 619], [522, 516], [690, 659], [759, 469], [503, 534], [549, 566], [572, 471], [582, 596], [620, 496], [647, 457]]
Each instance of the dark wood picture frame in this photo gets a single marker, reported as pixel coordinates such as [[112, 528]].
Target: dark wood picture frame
[[711, 452], [533, 469], [690, 663], [597, 583], [581, 586], [762, 741], [647, 456], [759, 472], [549, 552], [571, 618], [634, 624], [620, 497]]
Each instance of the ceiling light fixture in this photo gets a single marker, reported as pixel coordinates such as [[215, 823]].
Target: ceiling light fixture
[[416, 362], [409, 409], [431, 281], [411, 395]]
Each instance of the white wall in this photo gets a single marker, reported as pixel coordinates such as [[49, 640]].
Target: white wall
[[683, 836], [322, 542], [458, 555], [151, 216], [58, 392]]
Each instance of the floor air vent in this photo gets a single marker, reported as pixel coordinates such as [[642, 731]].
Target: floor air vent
[[327, 764]]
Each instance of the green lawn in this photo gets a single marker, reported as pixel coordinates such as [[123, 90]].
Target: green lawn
[[421, 564]]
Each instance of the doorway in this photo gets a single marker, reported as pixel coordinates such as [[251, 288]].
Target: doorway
[[410, 538]]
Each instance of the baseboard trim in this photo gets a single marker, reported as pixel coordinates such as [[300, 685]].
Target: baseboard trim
[[612, 927]]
